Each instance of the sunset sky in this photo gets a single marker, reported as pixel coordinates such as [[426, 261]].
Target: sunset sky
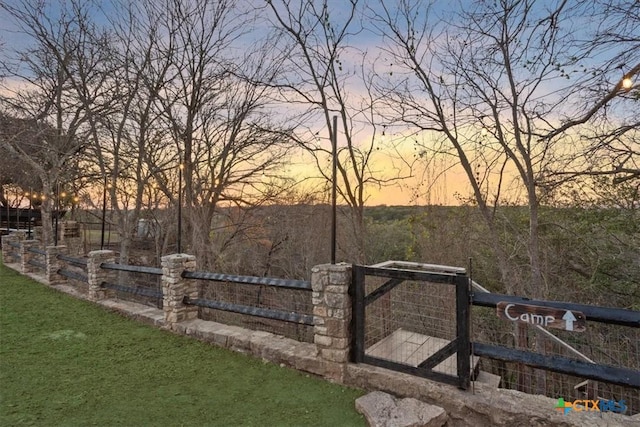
[[438, 179]]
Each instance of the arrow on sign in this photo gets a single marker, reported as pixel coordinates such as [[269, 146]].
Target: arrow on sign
[[569, 318]]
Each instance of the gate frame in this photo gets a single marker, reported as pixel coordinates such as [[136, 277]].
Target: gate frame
[[461, 345]]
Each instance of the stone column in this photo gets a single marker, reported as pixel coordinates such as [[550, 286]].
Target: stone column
[[28, 255], [175, 288], [54, 264], [8, 250], [61, 231], [70, 236], [36, 231], [332, 317], [74, 246], [97, 275]]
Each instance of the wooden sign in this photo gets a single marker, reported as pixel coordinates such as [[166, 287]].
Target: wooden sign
[[542, 316]]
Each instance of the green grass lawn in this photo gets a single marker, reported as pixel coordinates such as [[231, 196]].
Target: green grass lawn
[[66, 362]]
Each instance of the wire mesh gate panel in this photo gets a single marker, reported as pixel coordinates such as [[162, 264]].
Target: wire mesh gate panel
[[413, 321]]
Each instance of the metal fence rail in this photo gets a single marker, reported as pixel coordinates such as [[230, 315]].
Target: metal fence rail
[[613, 316], [37, 251], [80, 262], [268, 313], [39, 264], [134, 291], [250, 280], [424, 276], [599, 372], [73, 275], [132, 268]]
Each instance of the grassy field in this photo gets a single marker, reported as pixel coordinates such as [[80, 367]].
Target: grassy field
[[66, 362]]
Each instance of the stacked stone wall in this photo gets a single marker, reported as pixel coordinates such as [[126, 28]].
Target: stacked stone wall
[[332, 316], [8, 250], [54, 264], [97, 275], [175, 288]]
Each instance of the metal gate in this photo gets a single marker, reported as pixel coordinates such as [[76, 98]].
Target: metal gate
[[413, 318]]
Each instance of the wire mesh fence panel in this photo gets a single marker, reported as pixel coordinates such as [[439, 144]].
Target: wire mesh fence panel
[[260, 296], [77, 277], [410, 322], [38, 260], [604, 344], [92, 237], [142, 288]]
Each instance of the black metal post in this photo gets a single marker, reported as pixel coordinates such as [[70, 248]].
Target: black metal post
[[57, 212], [8, 224], [180, 205], [463, 309], [17, 211], [104, 211], [357, 328], [334, 145], [29, 217]]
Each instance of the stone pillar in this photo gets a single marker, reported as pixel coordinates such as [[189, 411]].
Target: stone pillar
[[61, 232], [54, 264], [28, 255], [36, 231], [175, 288], [332, 317], [8, 250], [70, 236], [97, 275], [67, 229]]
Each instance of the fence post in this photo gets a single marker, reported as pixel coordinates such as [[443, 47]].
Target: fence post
[[27, 255], [37, 233], [175, 288], [54, 264], [463, 329], [70, 236], [8, 250], [332, 317], [97, 275]]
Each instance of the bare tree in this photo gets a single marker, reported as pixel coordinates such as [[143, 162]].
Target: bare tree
[[320, 79], [230, 148], [499, 84], [608, 122], [37, 92], [14, 169], [131, 142]]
